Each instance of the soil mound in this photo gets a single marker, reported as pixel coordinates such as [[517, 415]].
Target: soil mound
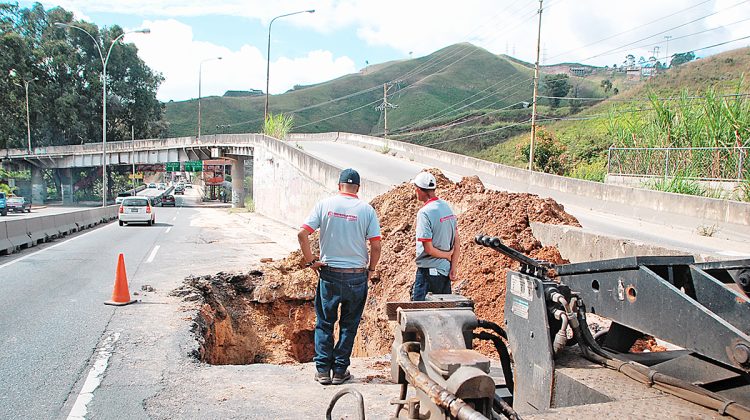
[[267, 315]]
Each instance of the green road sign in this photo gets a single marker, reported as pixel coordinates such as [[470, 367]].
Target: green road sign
[[194, 166], [173, 166]]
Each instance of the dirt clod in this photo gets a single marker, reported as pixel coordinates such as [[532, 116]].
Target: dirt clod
[[267, 315]]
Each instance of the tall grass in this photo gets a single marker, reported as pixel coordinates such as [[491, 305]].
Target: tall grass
[[278, 125], [715, 119]]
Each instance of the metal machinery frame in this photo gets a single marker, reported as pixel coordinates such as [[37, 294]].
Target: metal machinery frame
[[702, 309]]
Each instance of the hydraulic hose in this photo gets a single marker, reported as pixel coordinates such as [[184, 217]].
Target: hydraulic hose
[[505, 409], [502, 351], [677, 387], [482, 323], [443, 398]]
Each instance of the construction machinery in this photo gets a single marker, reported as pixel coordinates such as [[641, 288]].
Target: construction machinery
[[551, 358]]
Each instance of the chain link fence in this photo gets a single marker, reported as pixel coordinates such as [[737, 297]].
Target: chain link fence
[[698, 163]]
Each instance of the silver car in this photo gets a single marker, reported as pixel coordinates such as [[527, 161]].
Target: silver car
[[136, 210]]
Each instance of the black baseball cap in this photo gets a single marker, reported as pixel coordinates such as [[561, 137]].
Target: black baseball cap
[[349, 176]]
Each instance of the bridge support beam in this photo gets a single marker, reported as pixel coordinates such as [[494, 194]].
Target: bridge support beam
[[238, 182], [66, 185], [38, 186]]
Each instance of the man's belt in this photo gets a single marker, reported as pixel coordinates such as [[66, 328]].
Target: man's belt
[[343, 270]]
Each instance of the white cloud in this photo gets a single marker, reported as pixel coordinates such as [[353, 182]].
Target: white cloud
[[171, 49], [572, 30]]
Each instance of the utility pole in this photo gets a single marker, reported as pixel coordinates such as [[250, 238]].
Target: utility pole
[[667, 37], [132, 159], [536, 90], [384, 107]]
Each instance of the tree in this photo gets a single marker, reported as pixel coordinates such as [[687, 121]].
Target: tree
[[682, 58], [65, 92], [556, 86], [606, 84]]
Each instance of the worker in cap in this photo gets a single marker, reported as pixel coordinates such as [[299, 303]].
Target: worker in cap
[[437, 241], [344, 268]]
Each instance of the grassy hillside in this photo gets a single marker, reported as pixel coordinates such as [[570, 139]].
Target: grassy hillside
[[583, 142], [461, 98]]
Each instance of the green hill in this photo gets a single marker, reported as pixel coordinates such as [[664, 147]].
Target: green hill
[[684, 95], [458, 91]]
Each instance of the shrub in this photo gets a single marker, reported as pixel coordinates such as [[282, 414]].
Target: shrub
[[590, 171]]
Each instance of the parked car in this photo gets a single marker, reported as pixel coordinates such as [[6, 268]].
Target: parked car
[[136, 210], [18, 204], [3, 204], [179, 190], [168, 200]]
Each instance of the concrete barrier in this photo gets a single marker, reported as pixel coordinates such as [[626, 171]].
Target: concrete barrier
[[6, 247], [35, 230], [305, 178], [641, 203], [18, 233], [578, 245], [65, 223], [49, 229], [82, 219]]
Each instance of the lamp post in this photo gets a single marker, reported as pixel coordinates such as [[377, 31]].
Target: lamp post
[[105, 60], [200, 69], [28, 118], [268, 57]]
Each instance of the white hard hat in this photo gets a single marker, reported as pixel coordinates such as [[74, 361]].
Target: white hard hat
[[425, 180]]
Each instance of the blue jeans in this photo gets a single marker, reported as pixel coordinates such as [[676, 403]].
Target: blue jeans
[[348, 290], [425, 283]]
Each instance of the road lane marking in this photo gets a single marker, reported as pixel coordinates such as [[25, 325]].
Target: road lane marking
[[153, 254], [9, 263], [94, 378], [174, 218], [168, 229]]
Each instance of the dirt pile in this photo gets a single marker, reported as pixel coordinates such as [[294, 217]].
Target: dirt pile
[[268, 316]]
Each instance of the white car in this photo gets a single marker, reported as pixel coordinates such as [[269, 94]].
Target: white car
[[136, 210]]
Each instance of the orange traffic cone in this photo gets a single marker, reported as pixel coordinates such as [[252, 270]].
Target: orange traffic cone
[[121, 293]]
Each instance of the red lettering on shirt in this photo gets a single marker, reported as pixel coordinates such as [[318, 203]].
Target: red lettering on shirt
[[446, 218], [347, 217]]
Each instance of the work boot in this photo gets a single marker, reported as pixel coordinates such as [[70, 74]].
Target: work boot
[[341, 377], [324, 378]]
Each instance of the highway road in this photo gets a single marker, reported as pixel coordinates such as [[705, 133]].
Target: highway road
[[616, 220], [53, 318]]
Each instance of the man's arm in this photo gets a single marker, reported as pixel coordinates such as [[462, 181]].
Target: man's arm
[[454, 258], [435, 252], [375, 248], [303, 237]]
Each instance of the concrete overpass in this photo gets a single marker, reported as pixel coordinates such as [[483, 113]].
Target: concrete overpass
[[290, 176]]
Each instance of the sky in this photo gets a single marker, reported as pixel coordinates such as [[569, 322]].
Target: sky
[[344, 36]]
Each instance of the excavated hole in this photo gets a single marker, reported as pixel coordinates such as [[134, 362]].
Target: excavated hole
[[268, 316]]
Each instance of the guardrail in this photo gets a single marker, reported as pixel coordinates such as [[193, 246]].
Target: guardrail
[[16, 234]]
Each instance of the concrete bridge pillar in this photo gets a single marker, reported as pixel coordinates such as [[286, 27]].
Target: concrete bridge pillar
[[66, 185], [238, 181], [38, 186]]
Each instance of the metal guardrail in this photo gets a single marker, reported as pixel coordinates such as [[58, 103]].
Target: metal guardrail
[[730, 164]]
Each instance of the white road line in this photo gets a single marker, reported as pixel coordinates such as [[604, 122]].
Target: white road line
[[153, 254], [94, 378], [168, 229], [9, 263], [174, 218]]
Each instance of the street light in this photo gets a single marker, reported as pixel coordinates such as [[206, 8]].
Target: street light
[[200, 69], [28, 119], [268, 57], [105, 60]]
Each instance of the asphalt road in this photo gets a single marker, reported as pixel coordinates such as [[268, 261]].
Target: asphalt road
[[53, 316], [613, 220]]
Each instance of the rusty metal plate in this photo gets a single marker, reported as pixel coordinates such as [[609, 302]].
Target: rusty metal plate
[[391, 308]]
